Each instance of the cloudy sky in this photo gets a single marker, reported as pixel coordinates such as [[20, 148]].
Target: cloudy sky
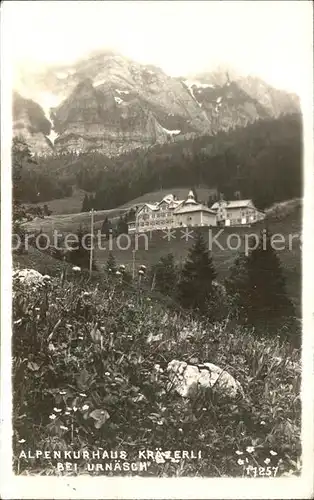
[[272, 39]]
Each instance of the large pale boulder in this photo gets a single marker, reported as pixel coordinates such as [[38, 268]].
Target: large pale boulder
[[187, 379], [30, 277]]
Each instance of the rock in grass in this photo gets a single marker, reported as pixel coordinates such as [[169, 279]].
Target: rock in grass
[[30, 277], [187, 379]]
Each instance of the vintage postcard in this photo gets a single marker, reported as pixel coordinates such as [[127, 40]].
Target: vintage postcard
[[157, 249]]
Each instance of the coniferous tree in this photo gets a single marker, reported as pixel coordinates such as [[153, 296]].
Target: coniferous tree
[[195, 286], [268, 302], [92, 202], [79, 254], [257, 289], [122, 226], [85, 204], [106, 227], [131, 215], [111, 265], [237, 286], [46, 210], [165, 275], [21, 158]]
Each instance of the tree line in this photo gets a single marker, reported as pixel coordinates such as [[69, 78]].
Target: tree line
[[261, 160], [254, 293]]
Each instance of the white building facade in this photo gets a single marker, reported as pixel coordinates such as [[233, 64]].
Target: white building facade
[[237, 213], [172, 213]]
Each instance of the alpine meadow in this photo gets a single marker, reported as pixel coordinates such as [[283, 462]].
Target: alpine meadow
[[156, 281]]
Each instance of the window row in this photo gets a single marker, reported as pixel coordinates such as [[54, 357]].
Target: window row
[[156, 223]]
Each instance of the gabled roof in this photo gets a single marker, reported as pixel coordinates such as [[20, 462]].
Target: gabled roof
[[193, 208], [170, 200], [231, 204], [149, 205]]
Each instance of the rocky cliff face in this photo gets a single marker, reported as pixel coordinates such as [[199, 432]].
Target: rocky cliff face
[[31, 124], [111, 104]]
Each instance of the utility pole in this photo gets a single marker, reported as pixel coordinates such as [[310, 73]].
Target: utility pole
[[91, 243], [133, 264]]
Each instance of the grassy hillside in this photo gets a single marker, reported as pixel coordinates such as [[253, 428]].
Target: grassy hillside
[[40, 261], [68, 205], [85, 376], [180, 193], [284, 219], [73, 204], [69, 221]]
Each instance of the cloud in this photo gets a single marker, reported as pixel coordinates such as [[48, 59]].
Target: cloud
[[270, 39]]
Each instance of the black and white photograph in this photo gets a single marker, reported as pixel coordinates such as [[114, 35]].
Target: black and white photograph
[[156, 249]]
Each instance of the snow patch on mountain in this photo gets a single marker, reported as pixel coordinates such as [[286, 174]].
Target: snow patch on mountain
[[118, 100], [52, 136], [62, 75], [99, 82], [122, 91], [171, 132], [198, 85], [190, 86], [48, 101]]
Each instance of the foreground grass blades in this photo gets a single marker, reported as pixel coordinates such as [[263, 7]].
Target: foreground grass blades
[[85, 378]]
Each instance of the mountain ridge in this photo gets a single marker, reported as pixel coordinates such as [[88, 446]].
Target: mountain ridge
[[111, 104]]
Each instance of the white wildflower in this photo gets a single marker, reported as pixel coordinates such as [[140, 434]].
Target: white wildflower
[[76, 268], [74, 408], [52, 416], [250, 449], [240, 461], [238, 452], [273, 453], [57, 410], [141, 272], [85, 407], [22, 441], [263, 423], [18, 321], [107, 374], [64, 428], [267, 460], [82, 394], [118, 273]]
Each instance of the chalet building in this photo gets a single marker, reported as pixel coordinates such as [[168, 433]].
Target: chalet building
[[236, 213], [172, 213]]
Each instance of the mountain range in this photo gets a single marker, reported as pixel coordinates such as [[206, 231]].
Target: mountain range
[[111, 104]]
